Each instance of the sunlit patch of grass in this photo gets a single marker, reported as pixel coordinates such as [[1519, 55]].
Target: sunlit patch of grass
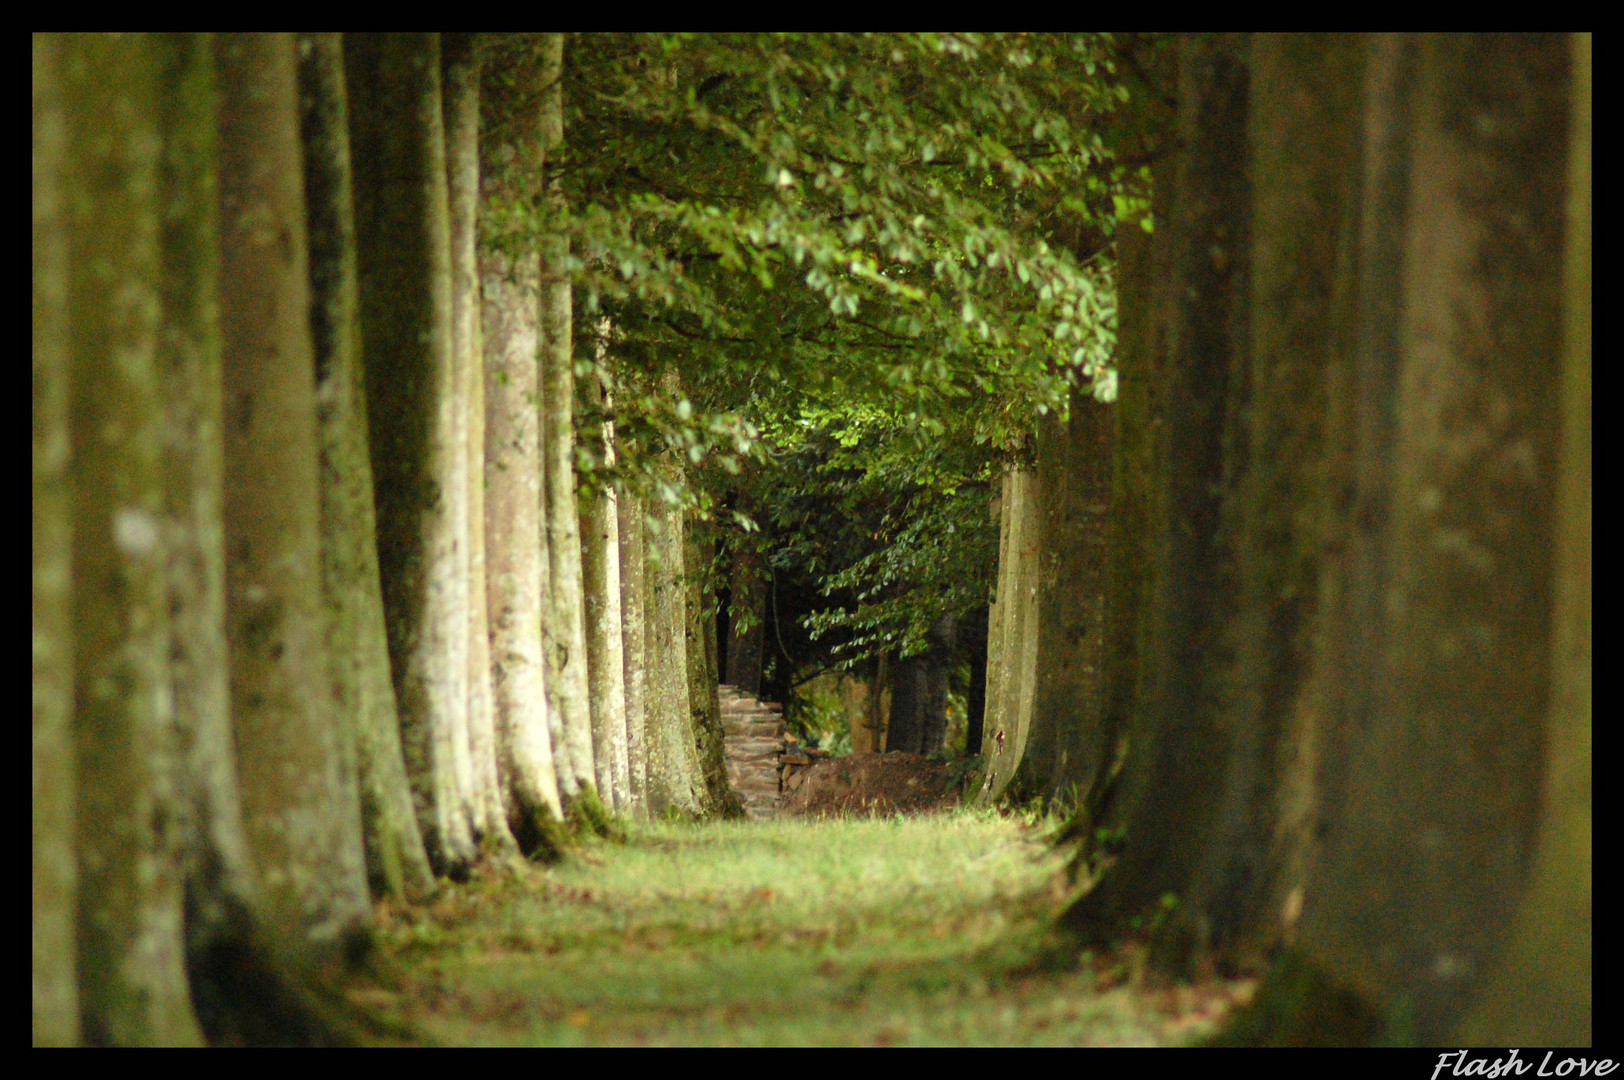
[[917, 930]]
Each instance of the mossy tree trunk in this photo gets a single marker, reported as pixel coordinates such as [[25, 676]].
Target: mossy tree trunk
[[1541, 991], [1173, 772], [675, 781], [1430, 753], [358, 647], [566, 622], [461, 62], [511, 157], [1063, 744], [629, 509], [1012, 645], [600, 580], [1304, 145], [55, 987], [303, 837], [704, 708], [418, 460], [130, 947]]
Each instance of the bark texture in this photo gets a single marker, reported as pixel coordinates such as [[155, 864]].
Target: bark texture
[[358, 646], [1541, 993], [130, 946], [55, 987], [301, 833], [566, 622], [460, 57], [630, 511], [1177, 747], [600, 574], [675, 782], [398, 142], [516, 556]]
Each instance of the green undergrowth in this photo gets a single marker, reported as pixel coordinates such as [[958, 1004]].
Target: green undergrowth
[[920, 930]]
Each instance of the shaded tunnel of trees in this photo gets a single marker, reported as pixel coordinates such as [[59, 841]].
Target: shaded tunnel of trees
[[424, 425]]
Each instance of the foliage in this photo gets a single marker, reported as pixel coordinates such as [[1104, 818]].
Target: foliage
[[837, 276]]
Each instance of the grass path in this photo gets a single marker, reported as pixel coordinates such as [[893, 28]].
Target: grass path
[[911, 931]]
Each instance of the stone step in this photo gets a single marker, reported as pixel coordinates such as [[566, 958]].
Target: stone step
[[753, 746]]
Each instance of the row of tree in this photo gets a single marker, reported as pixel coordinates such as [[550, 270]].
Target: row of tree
[[318, 615], [1320, 680]]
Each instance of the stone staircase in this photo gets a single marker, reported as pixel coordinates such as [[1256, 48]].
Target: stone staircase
[[753, 743]]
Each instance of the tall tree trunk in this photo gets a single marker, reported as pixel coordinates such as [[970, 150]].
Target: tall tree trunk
[[358, 647], [629, 511], [703, 704], [511, 157], [397, 138], [1541, 992], [606, 669], [566, 624], [1430, 757], [461, 61], [1174, 773], [1304, 142], [1074, 472], [302, 836], [1012, 647], [130, 948], [55, 987], [675, 782]]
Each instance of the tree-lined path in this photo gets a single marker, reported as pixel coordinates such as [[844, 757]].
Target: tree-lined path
[[444, 443]]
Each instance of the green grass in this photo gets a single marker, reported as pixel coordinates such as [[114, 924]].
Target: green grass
[[923, 930]]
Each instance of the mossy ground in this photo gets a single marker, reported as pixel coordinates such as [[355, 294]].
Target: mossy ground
[[880, 931]]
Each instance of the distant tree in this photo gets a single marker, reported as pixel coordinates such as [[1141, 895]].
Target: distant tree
[[600, 587]]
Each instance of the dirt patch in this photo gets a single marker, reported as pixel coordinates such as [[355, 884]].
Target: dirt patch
[[868, 784]]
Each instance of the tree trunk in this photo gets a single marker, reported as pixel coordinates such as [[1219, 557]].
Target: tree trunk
[[566, 623], [1174, 771], [461, 70], [1305, 162], [516, 555], [358, 648], [704, 707], [1429, 774], [675, 782], [300, 832], [55, 987], [1541, 993], [904, 729], [1063, 744], [130, 948], [634, 645], [938, 669], [397, 137], [606, 669], [1012, 646]]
